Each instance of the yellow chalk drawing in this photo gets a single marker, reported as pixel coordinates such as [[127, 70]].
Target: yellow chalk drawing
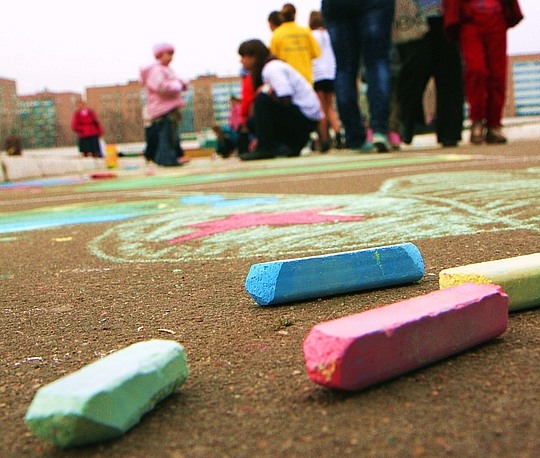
[[63, 239]]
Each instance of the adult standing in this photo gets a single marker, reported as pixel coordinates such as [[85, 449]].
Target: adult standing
[[275, 19], [163, 91], [294, 44], [324, 75], [286, 108], [480, 28], [430, 55], [361, 32], [88, 129]]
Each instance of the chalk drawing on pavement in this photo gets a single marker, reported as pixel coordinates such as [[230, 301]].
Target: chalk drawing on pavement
[[176, 227], [403, 209], [7, 239], [80, 213], [322, 164]]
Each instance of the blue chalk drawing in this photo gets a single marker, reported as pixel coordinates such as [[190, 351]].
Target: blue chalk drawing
[[404, 209]]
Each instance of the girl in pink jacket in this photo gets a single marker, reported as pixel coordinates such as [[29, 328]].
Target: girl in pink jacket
[[163, 92]]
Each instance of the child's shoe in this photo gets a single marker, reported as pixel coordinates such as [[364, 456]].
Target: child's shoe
[[339, 141], [369, 135], [477, 133], [395, 140], [366, 147], [380, 142], [324, 147], [495, 135]]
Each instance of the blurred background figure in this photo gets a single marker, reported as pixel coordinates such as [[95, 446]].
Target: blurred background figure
[[361, 32], [13, 145], [294, 44], [275, 19], [480, 29], [425, 53], [324, 74], [164, 102], [88, 129], [286, 108]]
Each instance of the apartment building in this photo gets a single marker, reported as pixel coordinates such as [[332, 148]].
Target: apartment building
[[523, 90], [44, 119], [9, 105], [211, 95], [119, 108]]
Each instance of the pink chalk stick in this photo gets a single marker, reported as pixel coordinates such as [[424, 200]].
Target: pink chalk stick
[[356, 351]]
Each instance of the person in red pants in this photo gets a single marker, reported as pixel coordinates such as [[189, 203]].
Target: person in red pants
[[480, 28]]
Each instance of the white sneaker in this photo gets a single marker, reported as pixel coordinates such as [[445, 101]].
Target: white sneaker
[[380, 142]]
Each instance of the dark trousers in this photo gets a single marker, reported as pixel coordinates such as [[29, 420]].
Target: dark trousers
[[360, 32], [434, 56], [163, 140], [90, 147], [275, 125]]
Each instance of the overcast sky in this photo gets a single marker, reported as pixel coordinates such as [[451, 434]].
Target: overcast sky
[[67, 45]]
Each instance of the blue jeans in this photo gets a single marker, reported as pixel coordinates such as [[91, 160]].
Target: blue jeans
[[360, 32]]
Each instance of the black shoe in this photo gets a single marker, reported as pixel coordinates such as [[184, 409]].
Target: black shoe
[[324, 147], [407, 134], [256, 155], [339, 141], [449, 143]]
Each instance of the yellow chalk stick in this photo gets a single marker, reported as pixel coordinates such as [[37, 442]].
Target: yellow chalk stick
[[518, 276]]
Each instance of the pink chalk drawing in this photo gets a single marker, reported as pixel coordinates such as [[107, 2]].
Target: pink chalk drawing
[[243, 220]]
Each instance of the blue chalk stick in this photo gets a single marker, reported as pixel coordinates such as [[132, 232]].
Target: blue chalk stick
[[277, 282]]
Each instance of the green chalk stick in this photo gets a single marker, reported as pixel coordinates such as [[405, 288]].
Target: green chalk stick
[[518, 276], [105, 399]]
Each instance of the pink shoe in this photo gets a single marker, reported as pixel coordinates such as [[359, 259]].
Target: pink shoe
[[369, 135], [394, 139]]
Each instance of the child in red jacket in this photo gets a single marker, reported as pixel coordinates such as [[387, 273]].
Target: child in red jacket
[[480, 27]]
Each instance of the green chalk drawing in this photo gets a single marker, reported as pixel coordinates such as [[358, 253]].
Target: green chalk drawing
[[292, 168], [404, 209], [407, 208]]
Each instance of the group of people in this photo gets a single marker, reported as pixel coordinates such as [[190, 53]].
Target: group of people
[[290, 87], [461, 44], [292, 83]]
